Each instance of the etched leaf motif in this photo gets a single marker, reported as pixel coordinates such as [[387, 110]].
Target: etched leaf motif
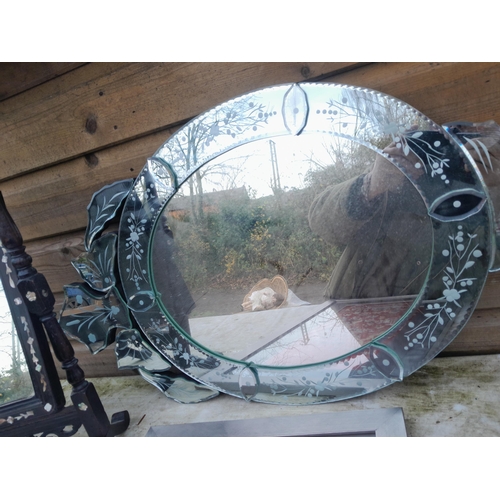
[[457, 283], [93, 324], [103, 207], [96, 266]]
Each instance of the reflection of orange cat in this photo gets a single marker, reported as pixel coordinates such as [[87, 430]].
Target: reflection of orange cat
[[263, 299]]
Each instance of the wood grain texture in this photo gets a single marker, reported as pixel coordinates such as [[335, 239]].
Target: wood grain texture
[[102, 364], [21, 76], [103, 104], [481, 335], [442, 91], [63, 138], [61, 192], [54, 201]]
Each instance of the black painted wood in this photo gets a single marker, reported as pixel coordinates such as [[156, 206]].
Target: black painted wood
[[87, 407]]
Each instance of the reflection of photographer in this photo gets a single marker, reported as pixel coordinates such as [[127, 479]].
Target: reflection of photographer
[[381, 222]]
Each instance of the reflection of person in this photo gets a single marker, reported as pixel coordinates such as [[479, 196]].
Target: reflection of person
[[381, 222]]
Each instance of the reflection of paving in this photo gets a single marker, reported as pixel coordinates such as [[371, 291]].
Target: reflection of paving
[[238, 335], [299, 335], [320, 338]]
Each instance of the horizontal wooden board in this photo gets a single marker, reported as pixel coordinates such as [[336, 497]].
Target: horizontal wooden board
[[17, 77], [102, 104], [481, 335], [54, 200], [442, 91], [61, 164]]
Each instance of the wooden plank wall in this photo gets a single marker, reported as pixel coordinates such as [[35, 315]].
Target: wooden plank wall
[[68, 129]]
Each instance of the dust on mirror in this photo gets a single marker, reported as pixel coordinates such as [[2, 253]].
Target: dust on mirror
[[292, 250]]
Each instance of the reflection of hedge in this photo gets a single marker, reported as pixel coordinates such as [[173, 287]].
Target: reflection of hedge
[[14, 385], [246, 240]]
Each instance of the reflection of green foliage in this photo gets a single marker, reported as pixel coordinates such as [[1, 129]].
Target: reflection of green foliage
[[246, 240], [15, 384]]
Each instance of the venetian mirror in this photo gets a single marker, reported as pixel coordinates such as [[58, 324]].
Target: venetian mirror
[[300, 244]]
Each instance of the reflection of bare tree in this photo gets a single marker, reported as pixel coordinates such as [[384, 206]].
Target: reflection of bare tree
[[219, 176], [346, 159], [235, 118], [9, 343], [14, 378], [194, 142]]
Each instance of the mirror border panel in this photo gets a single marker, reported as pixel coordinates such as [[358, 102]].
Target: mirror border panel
[[299, 109]]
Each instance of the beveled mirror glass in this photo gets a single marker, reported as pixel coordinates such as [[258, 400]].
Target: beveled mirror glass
[[305, 243]]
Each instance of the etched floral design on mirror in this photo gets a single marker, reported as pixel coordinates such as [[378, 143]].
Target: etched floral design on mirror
[[304, 244]]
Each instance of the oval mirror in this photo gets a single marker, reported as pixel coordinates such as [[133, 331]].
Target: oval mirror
[[262, 252], [305, 243]]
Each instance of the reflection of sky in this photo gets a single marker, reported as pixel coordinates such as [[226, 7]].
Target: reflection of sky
[[251, 165]]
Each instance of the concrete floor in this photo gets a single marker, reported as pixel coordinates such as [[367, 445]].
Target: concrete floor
[[455, 396]]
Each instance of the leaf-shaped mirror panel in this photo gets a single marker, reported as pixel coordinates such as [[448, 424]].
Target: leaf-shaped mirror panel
[[261, 225], [92, 317], [96, 266], [133, 352], [103, 208], [179, 388]]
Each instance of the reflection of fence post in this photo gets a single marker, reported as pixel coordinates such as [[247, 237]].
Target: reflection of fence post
[[276, 187]]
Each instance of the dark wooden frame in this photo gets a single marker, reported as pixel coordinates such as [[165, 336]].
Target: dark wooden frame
[[45, 413]]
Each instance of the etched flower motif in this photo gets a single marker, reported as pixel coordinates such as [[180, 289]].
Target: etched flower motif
[[390, 128], [451, 295], [461, 254]]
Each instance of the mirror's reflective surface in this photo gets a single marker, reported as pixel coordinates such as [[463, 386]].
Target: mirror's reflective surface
[[15, 380], [293, 250]]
